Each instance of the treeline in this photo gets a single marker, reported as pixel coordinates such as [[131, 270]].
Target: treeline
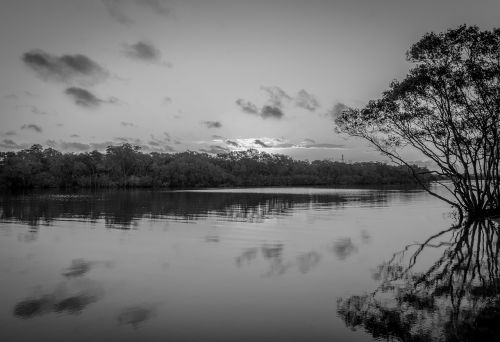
[[127, 166]]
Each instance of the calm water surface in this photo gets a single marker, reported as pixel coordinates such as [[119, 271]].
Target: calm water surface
[[214, 265]]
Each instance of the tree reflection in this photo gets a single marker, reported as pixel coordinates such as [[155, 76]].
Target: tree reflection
[[124, 209], [456, 298]]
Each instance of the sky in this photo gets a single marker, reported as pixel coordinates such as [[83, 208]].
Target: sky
[[207, 75]]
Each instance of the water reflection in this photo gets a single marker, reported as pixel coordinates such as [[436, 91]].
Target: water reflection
[[124, 209], [278, 264], [136, 315], [343, 248], [66, 297], [456, 298]]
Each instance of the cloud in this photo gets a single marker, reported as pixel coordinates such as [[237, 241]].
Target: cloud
[[127, 124], [309, 141], [218, 137], [212, 124], [144, 51], [306, 101], [167, 100], [271, 112], [119, 9], [247, 106], [261, 143], [284, 145], [215, 149], [276, 95], [34, 127], [336, 110], [74, 136], [65, 68], [9, 133], [232, 143], [83, 97], [11, 144]]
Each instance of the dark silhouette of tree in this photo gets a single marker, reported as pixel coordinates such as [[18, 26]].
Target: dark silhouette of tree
[[126, 166], [448, 108], [456, 299]]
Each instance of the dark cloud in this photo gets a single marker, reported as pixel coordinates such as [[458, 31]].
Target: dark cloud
[[276, 96], [215, 149], [306, 101], [167, 100], [127, 124], [154, 143], [271, 112], [212, 124], [74, 136], [260, 143], [34, 127], [167, 136], [218, 137], [65, 68], [9, 133], [247, 106], [336, 110], [11, 144], [309, 141], [143, 50], [232, 143], [83, 97]]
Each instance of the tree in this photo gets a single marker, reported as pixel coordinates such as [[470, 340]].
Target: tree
[[448, 108]]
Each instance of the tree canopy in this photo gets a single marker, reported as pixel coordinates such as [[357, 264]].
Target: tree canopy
[[126, 166], [448, 108]]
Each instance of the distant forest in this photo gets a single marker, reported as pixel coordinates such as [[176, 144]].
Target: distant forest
[[125, 166]]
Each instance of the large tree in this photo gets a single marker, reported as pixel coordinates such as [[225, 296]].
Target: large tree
[[448, 108]]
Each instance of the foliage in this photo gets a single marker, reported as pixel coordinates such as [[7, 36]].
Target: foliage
[[127, 166], [448, 108]]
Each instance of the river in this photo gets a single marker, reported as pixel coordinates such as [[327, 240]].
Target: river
[[259, 264]]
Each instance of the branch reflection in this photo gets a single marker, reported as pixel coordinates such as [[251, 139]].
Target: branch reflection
[[456, 298]]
